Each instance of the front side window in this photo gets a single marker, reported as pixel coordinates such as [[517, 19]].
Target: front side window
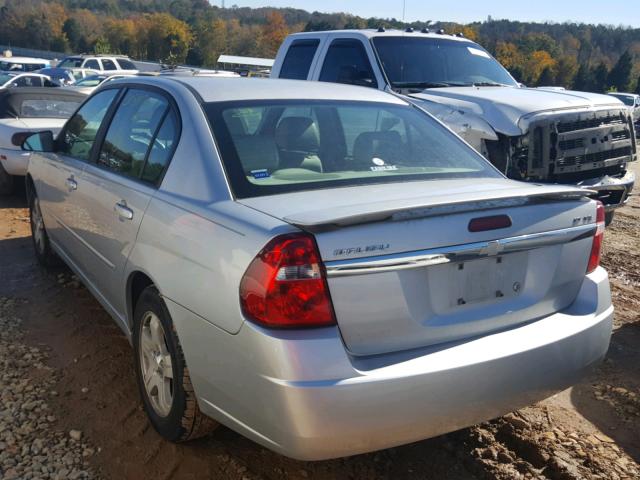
[[108, 64], [297, 63], [347, 62], [131, 132], [306, 145], [70, 63], [80, 132], [434, 62]]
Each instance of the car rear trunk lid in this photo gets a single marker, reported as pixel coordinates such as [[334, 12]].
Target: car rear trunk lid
[[405, 272]]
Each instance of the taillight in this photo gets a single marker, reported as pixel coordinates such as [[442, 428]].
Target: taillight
[[596, 246], [285, 285]]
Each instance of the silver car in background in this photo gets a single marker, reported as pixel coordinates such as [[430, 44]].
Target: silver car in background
[[325, 269]]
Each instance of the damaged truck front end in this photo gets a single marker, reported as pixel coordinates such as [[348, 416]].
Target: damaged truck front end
[[590, 148]]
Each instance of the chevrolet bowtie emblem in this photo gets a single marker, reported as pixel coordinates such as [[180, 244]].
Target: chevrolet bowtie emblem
[[493, 248]]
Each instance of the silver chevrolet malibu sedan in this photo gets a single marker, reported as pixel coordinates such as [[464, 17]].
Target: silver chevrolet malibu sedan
[[325, 269]]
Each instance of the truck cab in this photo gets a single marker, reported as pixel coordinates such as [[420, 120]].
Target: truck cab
[[529, 134]]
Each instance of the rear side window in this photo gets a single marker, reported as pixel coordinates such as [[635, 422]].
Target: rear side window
[[108, 64], [80, 132], [347, 62], [131, 132], [297, 63], [126, 64], [162, 149]]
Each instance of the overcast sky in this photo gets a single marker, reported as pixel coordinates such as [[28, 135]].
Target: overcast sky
[[614, 12]]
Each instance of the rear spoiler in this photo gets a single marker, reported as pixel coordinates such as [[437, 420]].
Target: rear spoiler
[[326, 220]]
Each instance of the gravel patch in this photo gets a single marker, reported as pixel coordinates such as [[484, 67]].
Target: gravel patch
[[31, 447]]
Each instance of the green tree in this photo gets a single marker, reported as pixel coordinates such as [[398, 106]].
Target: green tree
[[547, 78], [600, 75], [638, 86], [583, 80], [102, 46], [620, 75]]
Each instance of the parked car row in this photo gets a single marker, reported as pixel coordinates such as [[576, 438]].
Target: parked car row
[[327, 269]]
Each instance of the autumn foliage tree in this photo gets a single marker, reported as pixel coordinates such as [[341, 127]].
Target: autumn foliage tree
[[273, 33], [589, 57]]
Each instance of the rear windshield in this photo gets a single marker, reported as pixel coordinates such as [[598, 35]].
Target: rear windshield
[[48, 108], [276, 147], [92, 81]]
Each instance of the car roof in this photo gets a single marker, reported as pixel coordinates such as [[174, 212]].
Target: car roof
[[14, 73], [374, 33], [96, 55], [223, 89], [24, 60]]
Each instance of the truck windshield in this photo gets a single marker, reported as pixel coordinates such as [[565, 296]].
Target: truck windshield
[[271, 147], [626, 99], [435, 62]]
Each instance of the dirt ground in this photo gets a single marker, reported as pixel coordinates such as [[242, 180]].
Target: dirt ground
[[590, 431]]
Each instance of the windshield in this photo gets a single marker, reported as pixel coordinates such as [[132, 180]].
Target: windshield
[[435, 62], [5, 78], [273, 147], [70, 63], [626, 99], [48, 108], [92, 81]]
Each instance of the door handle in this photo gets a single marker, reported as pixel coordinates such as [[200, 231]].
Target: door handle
[[123, 211], [71, 183]]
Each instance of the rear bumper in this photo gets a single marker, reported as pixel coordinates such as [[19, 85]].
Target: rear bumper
[[612, 191], [15, 162], [300, 394]]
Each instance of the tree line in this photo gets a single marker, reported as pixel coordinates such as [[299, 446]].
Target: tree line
[[593, 58]]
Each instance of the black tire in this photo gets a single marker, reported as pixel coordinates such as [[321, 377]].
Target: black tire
[[183, 421], [7, 182], [41, 243], [608, 218]]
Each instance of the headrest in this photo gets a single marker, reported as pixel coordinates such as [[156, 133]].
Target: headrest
[[385, 145], [297, 134], [256, 152]]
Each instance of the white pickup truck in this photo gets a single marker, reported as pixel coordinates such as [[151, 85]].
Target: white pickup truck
[[529, 134]]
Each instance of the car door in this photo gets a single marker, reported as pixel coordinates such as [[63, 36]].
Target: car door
[[92, 64], [120, 182], [348, 61], [59, 185]]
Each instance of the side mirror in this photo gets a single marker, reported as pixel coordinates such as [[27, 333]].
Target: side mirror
[[34, 142]]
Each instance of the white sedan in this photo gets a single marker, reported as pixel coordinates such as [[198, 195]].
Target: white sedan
[[19, 79], [29, 109]]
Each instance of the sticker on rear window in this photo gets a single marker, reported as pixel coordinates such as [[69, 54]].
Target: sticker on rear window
[[382, 168], [257, 174], [478, 52]]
